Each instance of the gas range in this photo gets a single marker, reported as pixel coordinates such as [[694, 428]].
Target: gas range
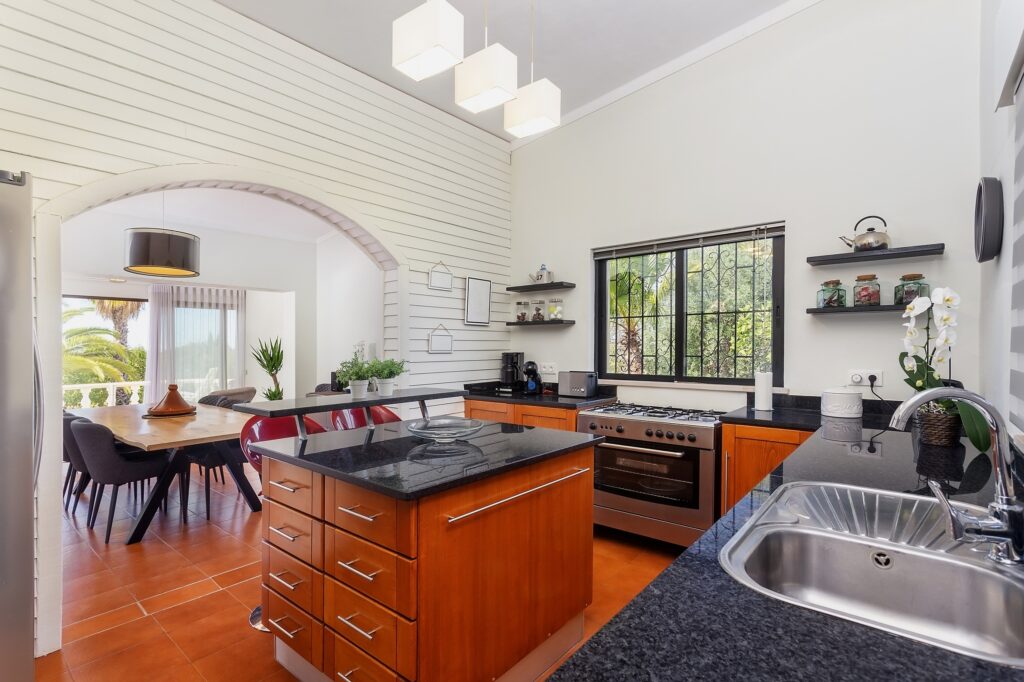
[[695, 428]]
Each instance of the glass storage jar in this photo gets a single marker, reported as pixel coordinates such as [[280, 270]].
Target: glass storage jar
[[555, 309], [522, 311], [832, 294], [866, 291], [910, 287], [537, 307]]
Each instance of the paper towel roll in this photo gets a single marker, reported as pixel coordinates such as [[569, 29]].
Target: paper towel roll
[[763, 391]]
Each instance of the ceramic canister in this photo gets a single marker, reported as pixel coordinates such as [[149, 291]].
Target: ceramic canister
[[841, 402]]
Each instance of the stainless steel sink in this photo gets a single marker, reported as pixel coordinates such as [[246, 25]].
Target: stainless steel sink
[[885, 560]]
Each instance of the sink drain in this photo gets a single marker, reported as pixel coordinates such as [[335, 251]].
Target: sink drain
[[881, 560]]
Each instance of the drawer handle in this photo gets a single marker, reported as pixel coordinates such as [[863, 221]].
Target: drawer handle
[[276, 622], [492, 505], [352, 510], [290, 586], [282, 486], [349, 566], [364, 633], [345, 676], [286, 536]]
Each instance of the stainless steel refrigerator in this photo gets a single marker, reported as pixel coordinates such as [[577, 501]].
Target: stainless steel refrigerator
[[20, 410]]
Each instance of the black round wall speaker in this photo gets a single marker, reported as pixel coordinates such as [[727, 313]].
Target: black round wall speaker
[[988, 220]]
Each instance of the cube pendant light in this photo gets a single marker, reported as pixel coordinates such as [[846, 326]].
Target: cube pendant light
[[486, 79], [536, 108], [427, 40]]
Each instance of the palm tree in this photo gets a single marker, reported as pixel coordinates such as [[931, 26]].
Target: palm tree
[[119, 313], [92, 354]]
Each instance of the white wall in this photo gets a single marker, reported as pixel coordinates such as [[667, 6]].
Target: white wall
[[92, 245], [1001, 29], [269, 315], [844, 110]]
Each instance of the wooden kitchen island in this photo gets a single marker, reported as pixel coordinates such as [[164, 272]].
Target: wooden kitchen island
[[387, 557]]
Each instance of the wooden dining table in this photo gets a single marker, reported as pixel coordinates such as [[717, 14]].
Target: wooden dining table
[[209, 425]]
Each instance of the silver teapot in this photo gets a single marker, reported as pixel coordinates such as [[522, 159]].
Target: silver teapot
[[870, 239]]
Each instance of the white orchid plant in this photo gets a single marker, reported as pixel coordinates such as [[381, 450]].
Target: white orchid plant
[[928, 344]]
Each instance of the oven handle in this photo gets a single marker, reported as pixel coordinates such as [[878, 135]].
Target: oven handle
[[643, 451]]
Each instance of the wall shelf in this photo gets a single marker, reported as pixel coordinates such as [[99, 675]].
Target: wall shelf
[[545, 323], [858, 309], [543, 286], [882, 254]]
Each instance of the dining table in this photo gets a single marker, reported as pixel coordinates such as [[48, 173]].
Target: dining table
[[132, 425]]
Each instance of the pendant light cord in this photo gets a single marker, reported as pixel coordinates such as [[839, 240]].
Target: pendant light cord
[[533, 35], [485, 23]]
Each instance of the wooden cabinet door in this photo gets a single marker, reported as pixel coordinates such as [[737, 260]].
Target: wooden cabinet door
[[490, 411], [749, 454], [546, 417]]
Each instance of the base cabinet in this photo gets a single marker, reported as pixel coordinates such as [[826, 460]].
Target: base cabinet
[[460, 585], [749, 454], [560, 418]]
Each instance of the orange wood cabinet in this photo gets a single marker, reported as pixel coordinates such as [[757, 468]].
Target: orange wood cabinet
[[460, 585], [749, 454], [561, 418]]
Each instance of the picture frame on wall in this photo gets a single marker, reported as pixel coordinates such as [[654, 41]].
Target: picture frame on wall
[[440, 277], [440, 340], [478, 301]]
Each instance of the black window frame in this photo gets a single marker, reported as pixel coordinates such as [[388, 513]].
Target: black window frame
[[778, 320]]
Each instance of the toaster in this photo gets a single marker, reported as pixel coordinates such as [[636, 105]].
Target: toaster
[[577, 384]]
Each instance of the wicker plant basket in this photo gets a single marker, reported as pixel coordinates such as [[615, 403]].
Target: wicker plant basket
[[938, 428]]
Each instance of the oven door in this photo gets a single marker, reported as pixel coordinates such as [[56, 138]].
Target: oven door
[[675, 485]]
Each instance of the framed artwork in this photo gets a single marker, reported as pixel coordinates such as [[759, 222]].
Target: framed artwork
[[440, 277], [440, 340], [478, 301]]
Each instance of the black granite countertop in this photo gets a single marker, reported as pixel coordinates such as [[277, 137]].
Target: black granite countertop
[[694, 622], [325, 402], [489, 392], [392, 461], [802, 413]]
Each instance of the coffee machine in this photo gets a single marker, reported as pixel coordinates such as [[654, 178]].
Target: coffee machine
[[511, 379], [534, 384]]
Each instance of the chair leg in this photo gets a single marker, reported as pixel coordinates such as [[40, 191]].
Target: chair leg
[[70, 489], [110, 515], [67, 479], [184, 480], [208, 472], [83, 480], [94, 512]]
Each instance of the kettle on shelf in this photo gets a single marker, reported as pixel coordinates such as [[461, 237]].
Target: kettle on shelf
[[871, 239]]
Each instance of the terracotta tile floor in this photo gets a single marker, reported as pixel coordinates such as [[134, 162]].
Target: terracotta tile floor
[[175, 606]]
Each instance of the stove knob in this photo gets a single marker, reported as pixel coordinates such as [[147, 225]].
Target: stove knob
[[681, 436], [619, 429], [692, 437], [669, 435], [593, 426], [659, 433], [649, 432]]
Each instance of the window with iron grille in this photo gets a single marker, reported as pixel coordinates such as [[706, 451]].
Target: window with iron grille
[[702, 309]]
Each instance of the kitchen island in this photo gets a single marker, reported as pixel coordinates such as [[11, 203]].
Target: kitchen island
[[386, 556], [695, 622]]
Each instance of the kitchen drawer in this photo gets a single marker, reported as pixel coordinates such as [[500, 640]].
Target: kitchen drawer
[[346, 663], [294, 532], [293, 580], [490, 411], [294, 627], [372, 570], [378, 631], [546, 417], [293, 487], [373, 516]]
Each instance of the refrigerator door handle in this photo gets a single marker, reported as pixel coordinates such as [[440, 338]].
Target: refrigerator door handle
[[38, 412]]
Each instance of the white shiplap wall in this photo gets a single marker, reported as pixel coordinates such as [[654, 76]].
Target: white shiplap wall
[[94, 88]]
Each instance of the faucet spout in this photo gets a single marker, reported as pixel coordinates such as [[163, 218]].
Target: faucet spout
[[1005, 526]]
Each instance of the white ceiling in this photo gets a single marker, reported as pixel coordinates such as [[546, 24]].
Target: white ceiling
[[222, 209], [594, 50]]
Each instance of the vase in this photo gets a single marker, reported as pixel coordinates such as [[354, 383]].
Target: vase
[[938, 428], [386, 387], [358, 388]]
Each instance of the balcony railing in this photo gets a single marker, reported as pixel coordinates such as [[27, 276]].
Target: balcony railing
[[191, 390]]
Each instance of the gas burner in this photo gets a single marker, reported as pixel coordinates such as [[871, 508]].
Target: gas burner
[[658, 413]]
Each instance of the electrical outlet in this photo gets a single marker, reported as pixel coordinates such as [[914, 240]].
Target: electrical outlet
[[859, 377], [548, 370]]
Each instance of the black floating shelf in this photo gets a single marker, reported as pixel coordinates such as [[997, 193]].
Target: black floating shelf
[[543, 286], [545, 323], [881, 254], [858, 309]]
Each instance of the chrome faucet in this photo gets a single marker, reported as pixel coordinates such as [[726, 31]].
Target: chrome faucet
[[1004, 526]]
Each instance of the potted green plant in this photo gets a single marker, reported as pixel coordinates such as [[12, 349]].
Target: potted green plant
[[385, 372], [270, 358], [928, 343], [357, 373]]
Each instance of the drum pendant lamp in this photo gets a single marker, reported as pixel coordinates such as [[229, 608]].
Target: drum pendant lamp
[[159, 252]]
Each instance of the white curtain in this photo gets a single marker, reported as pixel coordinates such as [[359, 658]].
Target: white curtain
[[197, 340]]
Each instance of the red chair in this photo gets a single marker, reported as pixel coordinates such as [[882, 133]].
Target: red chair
[[345, 420]]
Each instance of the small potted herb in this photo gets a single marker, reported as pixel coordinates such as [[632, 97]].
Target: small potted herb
[[357, 372], [385, 372]]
